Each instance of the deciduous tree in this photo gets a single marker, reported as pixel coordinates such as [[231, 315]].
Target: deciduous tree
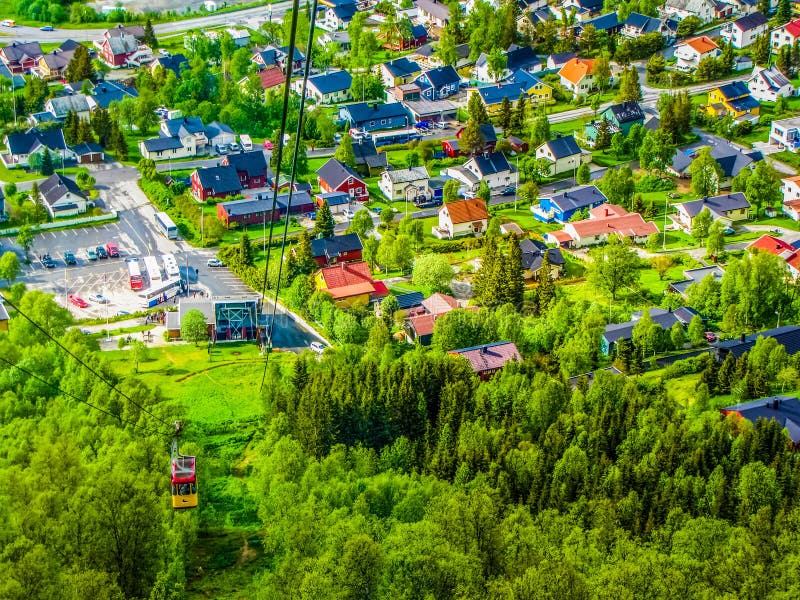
[[614, 266], [193, 326]]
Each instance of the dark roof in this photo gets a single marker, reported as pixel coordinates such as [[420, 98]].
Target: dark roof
[[751, 21], [335, 198], [565, 146], [327, 83], [783, 409], [366, 111], [24, 143], [561, 58], [264, 204], [162, 143], [367, 154], [577, 198], [787, 336], [492, 162], [401, 67], [173, 63], [87, 148], [16, 51], [56, 187], [336, 245], [344, 12], [297, 54], [184, 125], [734, 90], [111, 91], [624, 331], [627, 112], [442, 76], [335, 173], [533, 255], [252, 162], [220, 180], [521, 58], [718, 204], [409, 300], [743, 104], [603, 22], [418, 31], [489, 356]]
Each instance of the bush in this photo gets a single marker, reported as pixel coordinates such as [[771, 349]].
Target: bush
[[166, 337], [687, 366], [652, 183]]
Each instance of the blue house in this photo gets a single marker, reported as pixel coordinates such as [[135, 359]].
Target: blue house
[[561, 206], [374, 117], [664, 318], [438, 83]]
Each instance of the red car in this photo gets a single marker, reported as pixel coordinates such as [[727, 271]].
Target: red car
[[710, 336], [78, 301], [268, 145]]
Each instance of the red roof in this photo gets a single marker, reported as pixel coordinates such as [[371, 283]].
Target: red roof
[[271, 77], [618, 221], [793, 28], [773, 245], [349, 279], [491, 356], [438, 304]]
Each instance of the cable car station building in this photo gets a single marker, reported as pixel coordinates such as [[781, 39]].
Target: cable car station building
[[228, 318]]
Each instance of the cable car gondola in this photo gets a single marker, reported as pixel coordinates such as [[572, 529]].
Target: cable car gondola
[[184, 476]]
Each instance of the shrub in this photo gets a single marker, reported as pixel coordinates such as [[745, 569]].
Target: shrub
[[653, 183]]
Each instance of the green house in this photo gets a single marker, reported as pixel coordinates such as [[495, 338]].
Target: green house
[[620, 117]]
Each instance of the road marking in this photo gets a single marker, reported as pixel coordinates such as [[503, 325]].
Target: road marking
[[52, 234]]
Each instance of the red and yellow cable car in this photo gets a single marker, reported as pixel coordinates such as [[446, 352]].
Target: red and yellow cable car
[[184, 476]]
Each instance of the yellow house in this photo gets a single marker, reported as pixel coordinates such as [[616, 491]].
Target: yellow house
[[535, 91], [350, 284], [3, 317], [733, 99]]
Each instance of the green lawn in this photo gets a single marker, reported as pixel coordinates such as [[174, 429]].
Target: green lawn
[[17, 175], [788, 158]]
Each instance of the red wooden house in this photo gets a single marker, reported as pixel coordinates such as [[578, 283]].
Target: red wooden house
[[215, 182], [21, 57], [486, 360], [337, 249], [418, 37], [335, 176], [251, 168], [451, 147]]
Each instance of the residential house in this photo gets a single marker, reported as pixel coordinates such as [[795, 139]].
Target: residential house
[[171, 62], [608, 23], [165, 148], [784, 410], [21, 57], [488, 359], [562, 205], [219, 134], [577, 75], [350, 284], [620, 118], [732, 159], [433, 12], [89, 153], [791, 197], [637, 25], [746, 7], [215, 182], [533, 253], [742, 63], [664, 318], [451, 147], [337, 249], [579, 11], [425, 55], [742, 32], [60, 106], [335, 176], [181, 137], [785, 35], [258, 208], [117, 51], [787, 336], [414, 38], [120, 30], [680, 9], [106, 92], [54, 64], [341, 38], [62, 197], [251, 168], [463, 217], [419, 326], [268, 78], [728, 208], [329, 88], [17, 81], [768, 84], [734, 100], [693, 276], [493, 168], [518, 58], [368, 160], [399, 71], [780, 248], [532, 88], [409, 185], [564, 155], [277, 56], [432, 111], [438, 83], [786, 133], [690, 52], [338, 202], [556, 61], [373, 117], [240, 37], [338, 14], [606, 220], [21, 146]]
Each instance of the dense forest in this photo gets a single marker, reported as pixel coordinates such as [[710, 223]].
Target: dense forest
[[377, 474]]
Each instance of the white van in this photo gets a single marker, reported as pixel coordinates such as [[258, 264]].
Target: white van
[[246, 142]]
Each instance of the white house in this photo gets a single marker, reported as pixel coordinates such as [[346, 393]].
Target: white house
[[21, 147], [564, 154], [465, 217], [785, 35], [62, 197], [405, 184], [791, 197], [59, 107], [680, 9], [182, 137], [493, 168], [241, 37], [786, 133], [577, 75], [767, 85], [744, 30], [219, 134], [691, 52], [327, 88]]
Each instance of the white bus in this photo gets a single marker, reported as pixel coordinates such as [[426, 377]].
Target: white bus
[[153, 270], [166, 226], [246, 142], [171, 266], [155, 295]]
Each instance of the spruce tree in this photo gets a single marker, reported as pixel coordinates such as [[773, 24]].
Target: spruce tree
[[80, 66], [344, 153], [304, 256], [547, 287], [476, 109], [85, 133], [149, 38], [70, 128], [117, 142], [603, 139], [246, 250], [784, 12], [324, 225], [101, 124], [481, 284], [514, 277], [520, 113], [472, 140], [47, 163], [504, 117]]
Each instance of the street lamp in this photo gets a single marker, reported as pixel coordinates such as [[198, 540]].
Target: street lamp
[[666, 209]]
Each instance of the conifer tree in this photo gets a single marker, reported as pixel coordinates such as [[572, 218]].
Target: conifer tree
[[784, 12], [101, 124], [149, 38], [344, 153], [519, 114], [70, 128], [476, 109], [514, 277], [472, 140], [84, 132], [547, 287], [482, 286], [304, 256], [47, 163], [504, 117], [324, 225], [80, 66], [246, 250], [117, 142], [603, 138]]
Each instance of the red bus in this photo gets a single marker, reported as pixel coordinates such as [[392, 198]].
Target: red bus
[[135, 274]]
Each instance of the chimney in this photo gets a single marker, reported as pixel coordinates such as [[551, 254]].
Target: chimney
[[743, 338], [775, 404]]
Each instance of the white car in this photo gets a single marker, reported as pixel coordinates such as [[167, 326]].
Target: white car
[[349, 214], [317, 347], [215, 262], [99, 298]]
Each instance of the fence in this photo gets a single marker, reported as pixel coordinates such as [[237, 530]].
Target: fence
[[112, 216]]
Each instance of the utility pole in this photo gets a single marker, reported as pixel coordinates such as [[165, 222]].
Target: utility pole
[[666, 207]]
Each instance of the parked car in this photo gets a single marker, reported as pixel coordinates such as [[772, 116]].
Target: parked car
[[317, 347], [99, 298], [78, 301], [508, 191], [215, 262], [221, 148], [429, 203], [91, 254], [711, 336], [234, 147], [349, 214], [441, 125], [69, 258], [163, 52], [377, 210], [46, 28], [122, 313], [112, 250], [268, 145], [47, 261], [101, 252], [312, 215]]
